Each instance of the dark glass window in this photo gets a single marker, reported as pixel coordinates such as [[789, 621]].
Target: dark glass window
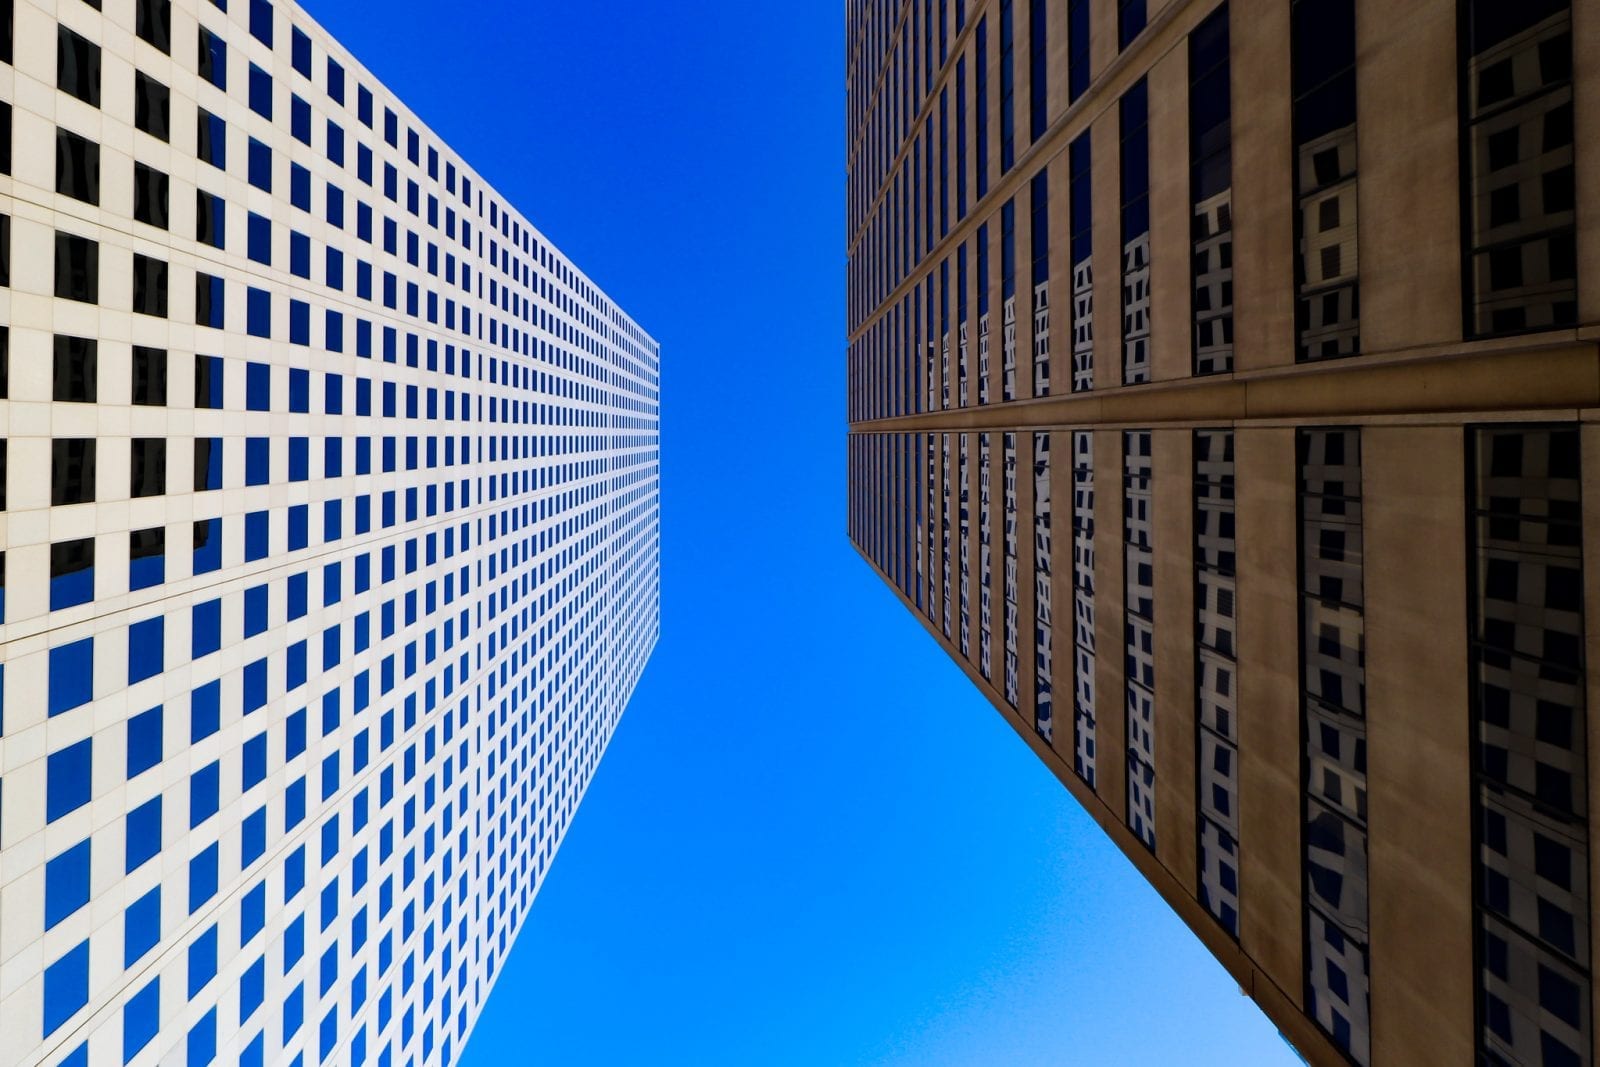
[[1038, 70], [149, 376], [77, 268], [1519, 186], [77, 167], [300, 51], [1080, 223], [148, 474], [335, 82], [1134, 111], [212, 140], [72, 583], [1077, 48], [208, 382], [1008, 87], [261, 21], [152, 106], [210, 219], [213, 59], [208, 303], [149, 286], [260, 172], [1130, 21], [260, 92], [980, 112], [1211, 195], [147, 555], [207, 464], [150, 196], [153, 22], [76, 370], [77, 66], [72, 470]]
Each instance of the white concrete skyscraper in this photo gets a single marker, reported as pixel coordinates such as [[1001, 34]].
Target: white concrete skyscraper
[[329, 518]]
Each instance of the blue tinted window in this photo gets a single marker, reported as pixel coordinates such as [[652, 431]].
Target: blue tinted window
[[298, 587], [258, 313], [335, 82], [72, 569], [255, 686], [300, 187], [213, 59], [299, 459], [144, 741], [257, 527], [294, 733], [204, 792], [252, 913], [335, 147], [202, 961], [294, 943], [299, 254], [66, 883], [69, 779], [205, 711], [294, 804], [299, 390], [146, 645], [261, 21], [141, 927], [299, 322], [300, 119], [213, 140], [260, 92], [253, 836], [260, 238], [252, 989], [260, 173], [208, 532], [66, 987], [147, 559], [202, 879], [293, 1012], [258, 386], [71, 675], [364, 105], [257, 460], [294, 873], [255, 760], [207, 628], [141, 1016], [202, 1042], [143, 834], [255, 610]]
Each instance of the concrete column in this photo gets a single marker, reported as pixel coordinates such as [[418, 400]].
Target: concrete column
[[1263, 179], [1271, 912], [1172, 522], [1409, 192], [1419, 788]]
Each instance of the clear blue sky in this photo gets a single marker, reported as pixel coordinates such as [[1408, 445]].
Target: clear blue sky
[[811, 842]]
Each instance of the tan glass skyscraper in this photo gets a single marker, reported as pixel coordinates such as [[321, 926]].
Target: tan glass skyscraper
[[1225, 399]]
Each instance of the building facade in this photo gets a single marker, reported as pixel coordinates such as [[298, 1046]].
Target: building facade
[[1224, 398], [330, 548]]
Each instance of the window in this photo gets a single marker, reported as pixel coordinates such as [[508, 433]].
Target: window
[[1077, 48], [1040, 242], [981, 110], [66, 884], [149, 470], [1008, 87], [72, 471], [76, 370], [1216, 674], [1323, 74], [71, 666], [1038, 70], [77, 66], [1080, 224], [213, 59], [141, 927], [153, 23], [149, 386], [261, 21], [208, 535], [259, 238], [1519, 188], [1139, 632], [210, 219], [66, 987], [207, 464], [71, 573], [149, 286], [208, 303], [150, 196], [212, 142], [299, 119], [77, 167], [141, 1017], [1130, 21], [335, 82], [1133, 111], [261, 92], [144, 741], [77, 268], [152, 106], [1333, 707], [300, 51], [147, 557], [1211, 195], [68, 779]]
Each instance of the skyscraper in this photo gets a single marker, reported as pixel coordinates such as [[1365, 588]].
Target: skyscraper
[[330, 548], [1222, 395]]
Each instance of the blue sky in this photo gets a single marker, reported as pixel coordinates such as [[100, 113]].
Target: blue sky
[[811, 841]]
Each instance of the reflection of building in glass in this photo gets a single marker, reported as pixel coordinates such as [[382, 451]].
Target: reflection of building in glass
[[1346, 539]]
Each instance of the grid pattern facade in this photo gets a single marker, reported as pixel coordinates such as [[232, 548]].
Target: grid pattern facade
[[1323, 467], [330, 562]]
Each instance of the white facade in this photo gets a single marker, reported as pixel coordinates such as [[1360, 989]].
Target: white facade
[[390, 576]]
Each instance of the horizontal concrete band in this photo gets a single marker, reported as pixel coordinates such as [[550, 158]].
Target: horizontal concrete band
[[1562, 377]]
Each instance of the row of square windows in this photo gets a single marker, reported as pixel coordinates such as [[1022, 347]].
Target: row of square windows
[[79, 74]]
